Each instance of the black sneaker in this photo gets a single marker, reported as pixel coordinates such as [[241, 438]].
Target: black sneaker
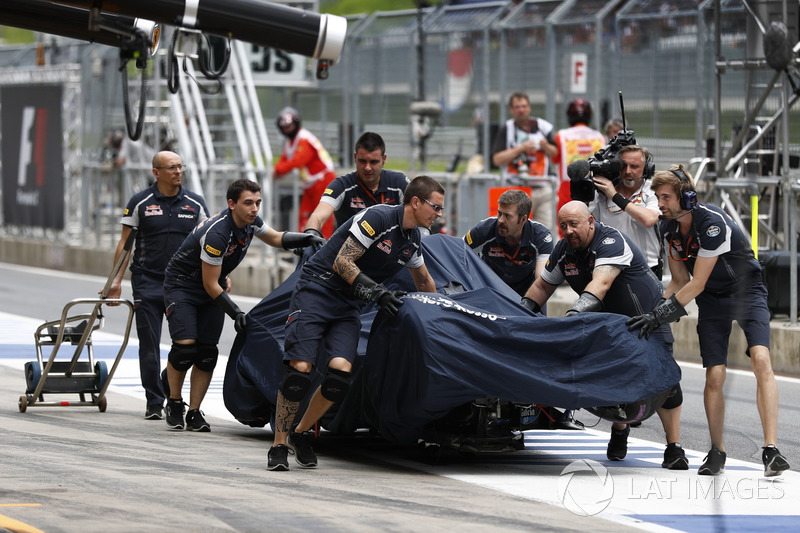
[[154, 412], [714, 463], [618, 444], [278, 457], [774, 462], [196, 422], [675, 457], [175, 413], [303, 453]]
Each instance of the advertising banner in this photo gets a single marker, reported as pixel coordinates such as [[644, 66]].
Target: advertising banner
[[31, 150]]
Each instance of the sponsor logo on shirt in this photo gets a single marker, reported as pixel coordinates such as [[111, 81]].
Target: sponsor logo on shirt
[[185, 215], [495, 251], [548, 238], [328, 192], [212, 251], [713, 231], [385, 245], [469, 238], [358, 203], [126, 212], [571, 269], [365, 225], [153, 210], [609, 240]]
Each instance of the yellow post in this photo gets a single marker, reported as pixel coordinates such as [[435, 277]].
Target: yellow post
[[754, 222]]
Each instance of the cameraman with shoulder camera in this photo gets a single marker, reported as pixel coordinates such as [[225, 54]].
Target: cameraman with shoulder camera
[[626, 202], [522, 149]]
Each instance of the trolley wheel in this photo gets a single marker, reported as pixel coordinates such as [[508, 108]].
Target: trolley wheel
[[102, 404], [101, 374], [33, 373], [23, 404]]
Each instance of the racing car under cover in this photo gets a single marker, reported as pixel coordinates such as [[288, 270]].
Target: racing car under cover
[[466, 364]]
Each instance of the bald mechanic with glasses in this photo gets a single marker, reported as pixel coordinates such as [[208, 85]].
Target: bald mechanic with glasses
[[609, 272]]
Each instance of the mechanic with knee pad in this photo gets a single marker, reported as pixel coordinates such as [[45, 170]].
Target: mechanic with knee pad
[[196, 297], [325, 309], [611, 275]]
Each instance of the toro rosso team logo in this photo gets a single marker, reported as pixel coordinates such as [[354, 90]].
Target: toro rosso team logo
[[713, 231], [187, 211], [385, 246], [366, 227], [358, 203], [153, 210]]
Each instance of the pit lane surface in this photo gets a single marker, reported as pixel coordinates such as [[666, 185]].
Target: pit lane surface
[[70, 469]]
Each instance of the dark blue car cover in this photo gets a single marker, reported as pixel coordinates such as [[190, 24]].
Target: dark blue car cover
[[472, 339]]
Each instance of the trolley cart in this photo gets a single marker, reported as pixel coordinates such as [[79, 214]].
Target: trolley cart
[[87, 378]]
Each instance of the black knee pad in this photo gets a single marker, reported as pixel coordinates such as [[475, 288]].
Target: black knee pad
[[295, 384], [182, 356], [674, 399], [207, 355], [335, 385]]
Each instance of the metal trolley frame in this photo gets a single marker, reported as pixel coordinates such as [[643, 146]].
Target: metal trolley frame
[[87, 378]]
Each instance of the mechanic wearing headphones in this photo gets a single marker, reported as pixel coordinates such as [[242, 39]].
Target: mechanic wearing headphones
[[325, 309], [609, 272], [630, 206], [711, 262]]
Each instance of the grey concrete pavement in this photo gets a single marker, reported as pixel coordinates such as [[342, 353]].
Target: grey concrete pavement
[[76, 469]]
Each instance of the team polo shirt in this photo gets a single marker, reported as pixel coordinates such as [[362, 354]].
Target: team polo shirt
[[389, 247], [515, 265], [219, 242], [163, 223], [713, 234], [636, 290], [348, 196]]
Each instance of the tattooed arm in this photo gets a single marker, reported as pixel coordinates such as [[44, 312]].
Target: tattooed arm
[[345, 263]]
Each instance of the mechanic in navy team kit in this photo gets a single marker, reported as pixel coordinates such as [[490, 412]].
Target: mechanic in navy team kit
[[195, 294], [164, 213], [326, 305], [611, 274], [369, 185], [711, 262]]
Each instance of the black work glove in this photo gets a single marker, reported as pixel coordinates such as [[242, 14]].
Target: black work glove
[[531, 305], [310, 237], [232, 310], [367, 289], [588, 302], [666, 311]]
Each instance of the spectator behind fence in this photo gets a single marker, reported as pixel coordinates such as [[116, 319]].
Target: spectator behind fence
[[522, 149]]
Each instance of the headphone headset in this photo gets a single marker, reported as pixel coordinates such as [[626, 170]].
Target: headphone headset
[[649, 165], [688, 197]]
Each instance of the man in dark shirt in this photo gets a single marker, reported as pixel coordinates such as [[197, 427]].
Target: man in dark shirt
[[611, 275], [196, 297], [711, 262], [369, 185], [513, 246], [334, 285], [164, 214]]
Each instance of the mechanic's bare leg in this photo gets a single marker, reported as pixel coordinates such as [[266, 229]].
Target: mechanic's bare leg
[[285, 410], [766, 392], [176, 379], [319, 405], [714, 402], [200, 380], [671, 421]]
